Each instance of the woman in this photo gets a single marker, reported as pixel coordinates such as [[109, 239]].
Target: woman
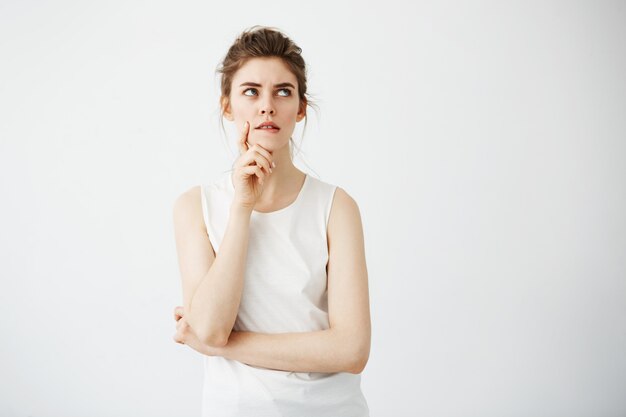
[[272, 260]]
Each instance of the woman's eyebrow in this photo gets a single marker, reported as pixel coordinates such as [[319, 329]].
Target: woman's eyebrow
[[251, 84]]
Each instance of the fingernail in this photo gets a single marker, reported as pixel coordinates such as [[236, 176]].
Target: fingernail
[[274, 164]]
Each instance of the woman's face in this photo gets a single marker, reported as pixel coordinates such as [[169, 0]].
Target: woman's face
[[264, 89]]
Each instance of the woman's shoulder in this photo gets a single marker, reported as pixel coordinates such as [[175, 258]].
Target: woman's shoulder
[[191, 203], [343, 205], [187, 208], [344, 219], [190, 210], [194, 193], [344, 202]]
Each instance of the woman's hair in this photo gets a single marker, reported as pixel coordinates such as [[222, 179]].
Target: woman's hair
[[261, 41]]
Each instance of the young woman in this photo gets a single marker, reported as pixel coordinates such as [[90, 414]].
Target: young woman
[[272, 260]]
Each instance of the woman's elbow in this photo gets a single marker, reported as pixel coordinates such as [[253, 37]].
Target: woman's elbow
[[210, 336], [214, 339], [358, 366], [358, 360]]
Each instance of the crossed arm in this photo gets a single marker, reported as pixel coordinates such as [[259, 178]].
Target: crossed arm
[[345, 346], [319, 351]]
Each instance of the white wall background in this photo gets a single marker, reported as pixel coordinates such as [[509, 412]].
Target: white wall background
[[485, 143]]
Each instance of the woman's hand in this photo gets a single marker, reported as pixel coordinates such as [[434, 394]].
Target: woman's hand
[[251, 168], [186, 336]]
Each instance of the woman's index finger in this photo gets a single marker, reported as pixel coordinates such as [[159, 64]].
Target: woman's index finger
[[243, 141]]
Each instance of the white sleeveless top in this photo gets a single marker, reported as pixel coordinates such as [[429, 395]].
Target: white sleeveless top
[[284, 291]]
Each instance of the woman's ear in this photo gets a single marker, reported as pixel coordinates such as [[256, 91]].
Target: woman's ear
[[302, 111], [225, 104]]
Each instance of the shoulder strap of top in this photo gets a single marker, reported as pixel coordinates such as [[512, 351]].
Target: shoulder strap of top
[[329, 204], [321, 195], [205, 212]]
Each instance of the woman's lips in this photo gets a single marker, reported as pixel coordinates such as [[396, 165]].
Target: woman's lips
[[269, 130]]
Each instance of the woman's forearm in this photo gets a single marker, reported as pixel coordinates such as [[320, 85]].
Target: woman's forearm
[[215, 302], [318, 351]]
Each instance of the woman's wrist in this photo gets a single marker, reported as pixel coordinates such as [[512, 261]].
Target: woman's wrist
[[239, 210]]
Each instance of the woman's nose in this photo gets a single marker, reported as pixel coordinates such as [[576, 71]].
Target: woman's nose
[[267, 107]]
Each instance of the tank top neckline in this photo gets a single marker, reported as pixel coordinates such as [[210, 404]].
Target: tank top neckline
[[269, 213]]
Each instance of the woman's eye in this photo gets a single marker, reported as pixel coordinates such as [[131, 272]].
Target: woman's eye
[[286, 90]]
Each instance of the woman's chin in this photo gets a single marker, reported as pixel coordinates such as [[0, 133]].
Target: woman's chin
[[268, 142]]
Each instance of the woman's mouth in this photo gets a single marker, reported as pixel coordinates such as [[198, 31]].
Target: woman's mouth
[[269, 127]]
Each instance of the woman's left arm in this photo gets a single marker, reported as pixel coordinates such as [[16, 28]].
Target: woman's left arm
[[345, 346]]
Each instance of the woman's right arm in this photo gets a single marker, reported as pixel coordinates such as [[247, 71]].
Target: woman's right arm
[[212, 284]]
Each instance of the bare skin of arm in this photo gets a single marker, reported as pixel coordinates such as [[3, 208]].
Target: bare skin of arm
[[345, 346], [212, 285]]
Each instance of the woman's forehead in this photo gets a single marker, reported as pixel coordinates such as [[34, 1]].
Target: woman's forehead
[[270, 70]]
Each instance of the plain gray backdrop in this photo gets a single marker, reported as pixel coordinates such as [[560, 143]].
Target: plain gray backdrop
[[483, 141]]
